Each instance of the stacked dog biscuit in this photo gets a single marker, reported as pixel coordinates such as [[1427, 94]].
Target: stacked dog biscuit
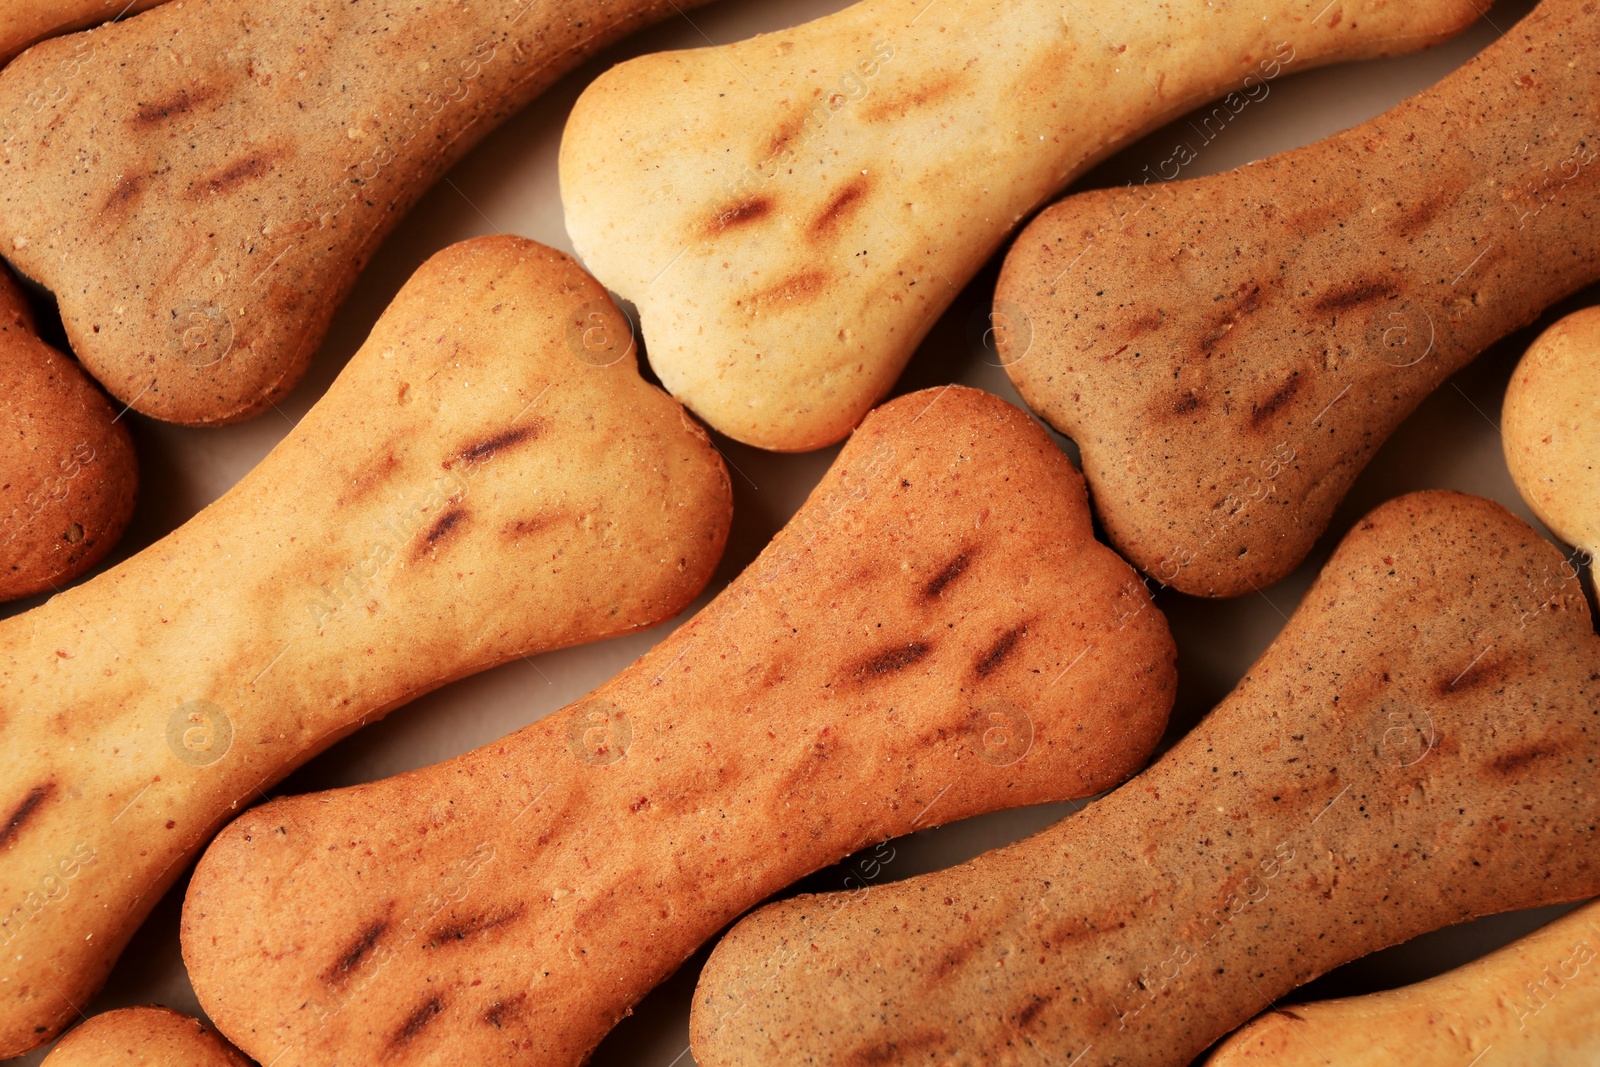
[[954, 622]]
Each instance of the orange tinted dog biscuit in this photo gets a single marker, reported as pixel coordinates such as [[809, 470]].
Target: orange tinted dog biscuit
[[935, 634]]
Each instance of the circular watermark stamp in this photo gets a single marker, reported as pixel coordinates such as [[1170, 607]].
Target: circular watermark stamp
[[199, 733], [1401, 336], [1005, 733], [1405, 734], [204, 333], [599, 333], [1002, 334], [599, 733]]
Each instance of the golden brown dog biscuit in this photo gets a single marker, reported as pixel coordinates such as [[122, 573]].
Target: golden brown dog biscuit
[[475, 487], [201, 185], [25, 22], [1534, 1003], [936, 633], [1416, 749], [68, 473], [1551, 429], [1229, 352], [144, 1037], [792, 213]]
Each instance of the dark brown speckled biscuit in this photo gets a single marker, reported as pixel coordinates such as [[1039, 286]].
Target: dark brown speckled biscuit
[[1417, 748], [1229, 352], [936, 633], [201, 185], [68, 473]]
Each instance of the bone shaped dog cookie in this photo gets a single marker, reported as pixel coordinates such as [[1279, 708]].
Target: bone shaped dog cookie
[[792, 213], [1551, 429], [1229, 352], [143, 1037], [936, 633], [201, 185], [476, 486], [1415, 749], [25, 22], [68, 474], [1534, 1002]]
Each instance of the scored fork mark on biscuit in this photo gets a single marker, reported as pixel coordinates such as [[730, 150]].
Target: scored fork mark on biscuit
[[415, 1023], [252, 167], [441, 530], [1511, 764], [1354, 296], [751, 210], [996, 654], [504, 1010], [1263, 411], [1480, 672], [845, 202], [488, 448], [1247, 302], [462, 929], [929, 91], [797, 288], [357, 952], [1028, 1014], [892, 660], [882, 1053], [25, 811], [123, 193], [183, 102], [952, 570]]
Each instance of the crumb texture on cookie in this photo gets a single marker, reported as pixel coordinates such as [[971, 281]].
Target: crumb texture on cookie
[[485, 480], [201, 185], [1230, 352], [936, 633], [144, 1037], [68, 473], [1416, 749], [791, 213], [1535, 1003], [1551, 429]]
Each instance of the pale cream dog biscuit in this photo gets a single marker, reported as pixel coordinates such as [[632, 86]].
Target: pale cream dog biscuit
[[201, 185], [68, 473], [476, 486], [1415, 749], [1230, 352], [1551, 428], [26, 22], [144, 1037], [1533, 1003], [936, 633], [791, 213]]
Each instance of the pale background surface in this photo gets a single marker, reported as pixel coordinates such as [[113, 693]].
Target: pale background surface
[[509, 184]]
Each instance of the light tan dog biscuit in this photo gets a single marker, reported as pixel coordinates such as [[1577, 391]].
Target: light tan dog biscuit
[[201, 185], [144, 1037], [791, 213], [1230, 352], [68, 473], [1551, 428], [1415, 749], [26, 22], [1534, 1003], [475, 487], [936, 633]]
